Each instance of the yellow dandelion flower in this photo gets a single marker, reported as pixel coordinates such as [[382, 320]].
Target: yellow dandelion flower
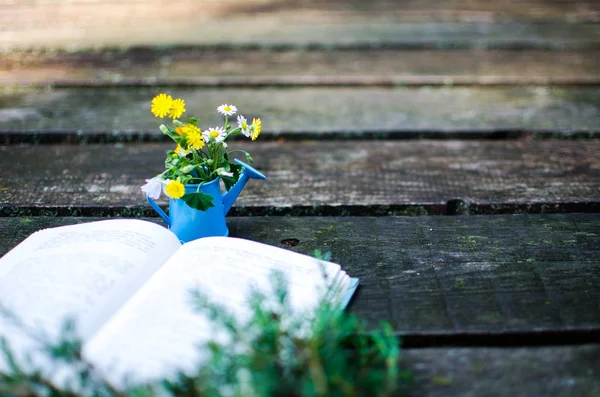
[[256, 129], [177, 108], [161, 105], [179, 130], [175, 189], [189, 127], [193, 137]]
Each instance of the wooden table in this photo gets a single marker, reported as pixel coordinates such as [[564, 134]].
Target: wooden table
[[446, 153]]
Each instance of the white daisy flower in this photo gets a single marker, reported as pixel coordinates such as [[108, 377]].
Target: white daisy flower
[[215, 135], [243, 124], [153, 187], [227, 110]]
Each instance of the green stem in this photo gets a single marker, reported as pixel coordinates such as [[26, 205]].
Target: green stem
[[233, 132], [201, 172], [239, 150], [218, 156]]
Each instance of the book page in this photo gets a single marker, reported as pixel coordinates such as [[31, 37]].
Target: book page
[[157, 332], [83, 271]]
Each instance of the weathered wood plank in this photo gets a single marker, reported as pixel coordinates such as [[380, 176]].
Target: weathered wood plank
[[296, 68], [490, 275], [550, 371], [71, 26], [556, 370], [473, 10], [485, 280], [114, 110], [320, 177]]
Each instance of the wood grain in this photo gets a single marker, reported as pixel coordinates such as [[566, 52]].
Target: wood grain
[[443, 371], [550, 371], [490, 280], [89, 25], [575, 10], [318, 111], [236, 68]]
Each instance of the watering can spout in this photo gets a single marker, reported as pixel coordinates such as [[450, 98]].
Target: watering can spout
[[233, 193]]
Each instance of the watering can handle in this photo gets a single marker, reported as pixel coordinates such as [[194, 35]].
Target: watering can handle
[[158, 210]]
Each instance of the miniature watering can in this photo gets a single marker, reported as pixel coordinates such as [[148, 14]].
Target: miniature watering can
[[189, 223]]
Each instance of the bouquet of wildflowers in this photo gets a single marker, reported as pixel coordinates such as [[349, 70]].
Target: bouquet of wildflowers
[[199, 156]]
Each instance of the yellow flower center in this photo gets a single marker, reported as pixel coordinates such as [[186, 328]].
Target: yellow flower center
[[227, 109], [214, 134], [244, 125]]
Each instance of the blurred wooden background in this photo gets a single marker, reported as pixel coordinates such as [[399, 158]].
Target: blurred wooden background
[[446, 152]]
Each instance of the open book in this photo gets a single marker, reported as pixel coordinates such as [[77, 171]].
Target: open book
[[127, 284]]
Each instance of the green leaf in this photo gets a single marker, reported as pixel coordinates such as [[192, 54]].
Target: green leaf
[[230, 181], [170, 132], [225, 165], [200, 201], [171, 162], [193, 121]]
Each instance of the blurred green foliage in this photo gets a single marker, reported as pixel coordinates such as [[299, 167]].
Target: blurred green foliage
[[274, 353]]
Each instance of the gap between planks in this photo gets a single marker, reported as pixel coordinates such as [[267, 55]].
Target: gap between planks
[[454, 207], [311, 81], [73, 136]]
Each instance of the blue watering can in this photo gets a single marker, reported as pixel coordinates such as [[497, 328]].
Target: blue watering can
[[189, 223]]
